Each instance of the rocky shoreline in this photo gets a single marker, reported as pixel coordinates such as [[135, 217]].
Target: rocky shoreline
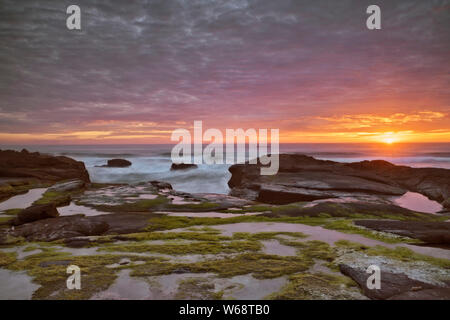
[[310, 231], [303, 178]]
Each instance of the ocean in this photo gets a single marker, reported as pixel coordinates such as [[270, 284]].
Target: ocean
[[152, 162]]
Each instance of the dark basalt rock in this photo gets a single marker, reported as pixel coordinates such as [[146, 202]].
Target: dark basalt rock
[[60, 228], [117, 163], [161, 184], [429, 232], [36, 212], [40, 166], [303, 178], [74, 229], [182, 166], [395, 286]]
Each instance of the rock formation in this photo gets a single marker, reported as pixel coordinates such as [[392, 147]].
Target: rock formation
[[428, 232], [40, 166], [303, 178]]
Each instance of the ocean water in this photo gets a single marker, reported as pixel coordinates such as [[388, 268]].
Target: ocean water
[[152, 162]]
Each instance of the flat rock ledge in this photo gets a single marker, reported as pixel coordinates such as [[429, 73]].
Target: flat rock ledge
[[428, 232], [303, 178], [396, 286]]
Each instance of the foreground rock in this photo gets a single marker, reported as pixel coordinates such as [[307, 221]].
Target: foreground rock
[[117, 163], [60, 228], [40, 166], [396, 286], [182, 166], [34, 213], [303, 178], [429, 232], [74, 228]]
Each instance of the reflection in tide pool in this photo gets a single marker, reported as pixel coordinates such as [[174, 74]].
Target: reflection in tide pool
[[16, 285], [22, 201], [418, 202], [74, 209]]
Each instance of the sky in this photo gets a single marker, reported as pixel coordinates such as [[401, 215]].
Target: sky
[[140, 69]]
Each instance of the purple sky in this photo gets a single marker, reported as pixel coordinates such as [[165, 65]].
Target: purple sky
[[310, 68]]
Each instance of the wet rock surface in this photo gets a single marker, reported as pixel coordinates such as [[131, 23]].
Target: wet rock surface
[[429, 232], [67, 186], [396, 286], [303, 178]]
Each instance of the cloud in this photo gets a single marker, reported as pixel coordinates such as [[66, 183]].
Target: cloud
[[372, 120], [230, 63]]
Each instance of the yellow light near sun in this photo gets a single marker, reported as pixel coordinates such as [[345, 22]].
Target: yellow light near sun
[[389, 140]]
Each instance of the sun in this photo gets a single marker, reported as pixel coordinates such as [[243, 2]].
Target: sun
[[389, 140]]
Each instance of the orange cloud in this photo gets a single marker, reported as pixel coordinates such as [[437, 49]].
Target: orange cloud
[[354, 121]]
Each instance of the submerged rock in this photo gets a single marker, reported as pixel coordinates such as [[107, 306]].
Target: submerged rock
[[36, 212], [182, 166]]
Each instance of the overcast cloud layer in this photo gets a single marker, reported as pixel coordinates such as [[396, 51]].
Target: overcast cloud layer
[[147, 67]]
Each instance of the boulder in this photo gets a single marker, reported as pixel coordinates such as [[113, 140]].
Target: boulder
[[428, 232], [394, 285], [40, 166], [36, 212], [182, 166]]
